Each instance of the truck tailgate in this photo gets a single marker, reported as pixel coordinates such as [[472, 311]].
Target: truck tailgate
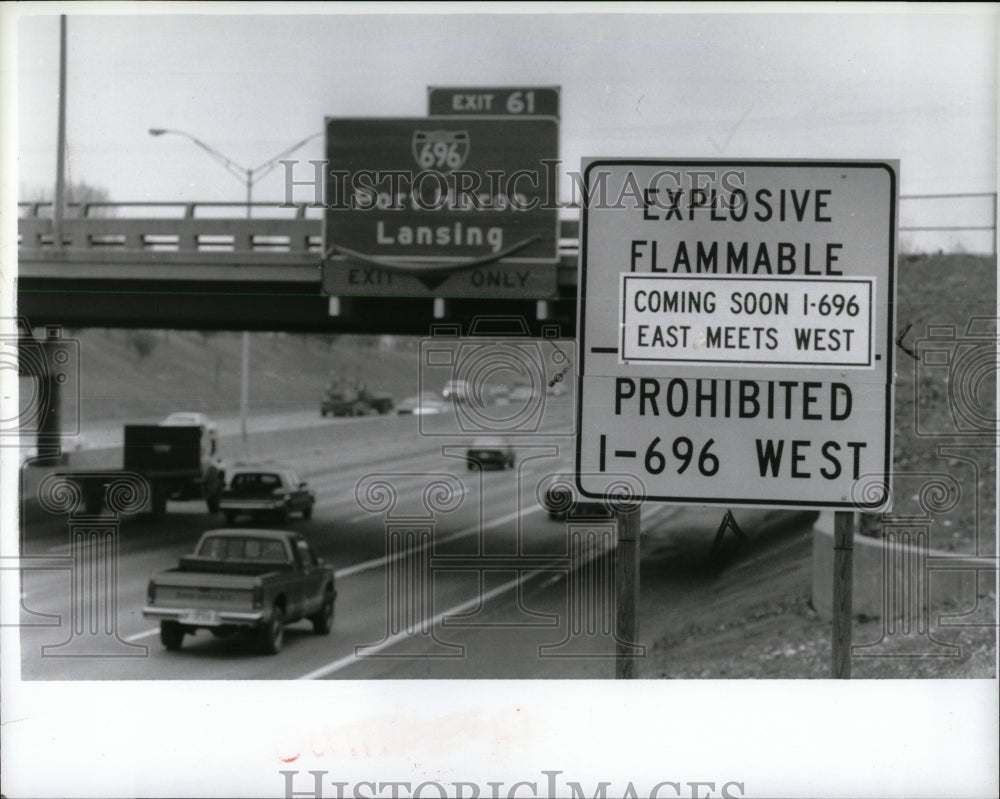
[[221, 592], [249, 503]]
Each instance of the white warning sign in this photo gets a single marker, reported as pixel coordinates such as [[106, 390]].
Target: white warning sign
[[736, 330]]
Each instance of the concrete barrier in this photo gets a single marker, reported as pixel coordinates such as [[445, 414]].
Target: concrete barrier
[[898, 576]]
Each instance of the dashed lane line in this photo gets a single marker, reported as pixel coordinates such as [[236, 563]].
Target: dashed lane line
[[462, 607], [368, 565], [469, 604]]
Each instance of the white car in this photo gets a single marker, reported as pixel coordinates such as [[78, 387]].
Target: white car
[[421, 405], [456, 390], [188, 419], [522, 393]]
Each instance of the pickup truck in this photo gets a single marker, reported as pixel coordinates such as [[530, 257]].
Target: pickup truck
[[350, 399], [271, 489], [243, 582]]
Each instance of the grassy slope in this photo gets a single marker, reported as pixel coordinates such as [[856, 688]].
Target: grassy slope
[[946, 290], [187, 370]]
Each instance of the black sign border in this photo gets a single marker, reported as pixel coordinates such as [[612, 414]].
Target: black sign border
[[751, 364], [557, 90], [890, 323]]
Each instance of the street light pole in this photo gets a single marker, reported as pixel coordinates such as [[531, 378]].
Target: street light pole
[[245, 350], [249, 176]]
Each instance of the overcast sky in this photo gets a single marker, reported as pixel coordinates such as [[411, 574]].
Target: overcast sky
[[918, 84]]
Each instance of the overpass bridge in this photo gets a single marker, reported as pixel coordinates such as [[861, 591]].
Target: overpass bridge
[[202, 266]]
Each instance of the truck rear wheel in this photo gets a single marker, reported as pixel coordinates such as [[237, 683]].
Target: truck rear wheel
[[159, 500], [322, 621], [213, 494], [171, 635], [272, 634]]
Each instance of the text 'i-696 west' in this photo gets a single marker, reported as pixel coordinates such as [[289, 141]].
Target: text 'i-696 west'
[[735, 328]]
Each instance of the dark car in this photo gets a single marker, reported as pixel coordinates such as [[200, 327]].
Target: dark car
[[562, 503], [490, 452], [266, 490]]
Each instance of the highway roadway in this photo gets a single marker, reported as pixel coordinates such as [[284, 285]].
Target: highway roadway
[[491, 587]]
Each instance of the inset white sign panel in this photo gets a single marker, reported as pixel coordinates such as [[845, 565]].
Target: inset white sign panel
[[736, 321]]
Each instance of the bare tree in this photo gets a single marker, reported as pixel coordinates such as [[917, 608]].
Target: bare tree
[[78, 196], [143, 342]]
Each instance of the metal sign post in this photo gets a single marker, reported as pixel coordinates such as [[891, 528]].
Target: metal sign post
[[59, 209], [627, 591], [843, 588]]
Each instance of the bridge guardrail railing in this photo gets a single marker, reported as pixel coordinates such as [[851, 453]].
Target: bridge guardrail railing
[[184, 228], [188, 227], [181, 235], [174, 210]]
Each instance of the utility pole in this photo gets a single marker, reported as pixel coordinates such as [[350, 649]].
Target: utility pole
[[249, 176], [245, 350], [60, 198]]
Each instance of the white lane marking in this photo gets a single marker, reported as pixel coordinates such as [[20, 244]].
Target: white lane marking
[[60, 548], [476, 601], [407, 484], [350, 500], [143, 634], [401, 496], [357, 568], [417, 487], [553, 580], [333, 479]]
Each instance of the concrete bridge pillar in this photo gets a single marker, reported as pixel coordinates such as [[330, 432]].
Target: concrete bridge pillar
[[93, 626]]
